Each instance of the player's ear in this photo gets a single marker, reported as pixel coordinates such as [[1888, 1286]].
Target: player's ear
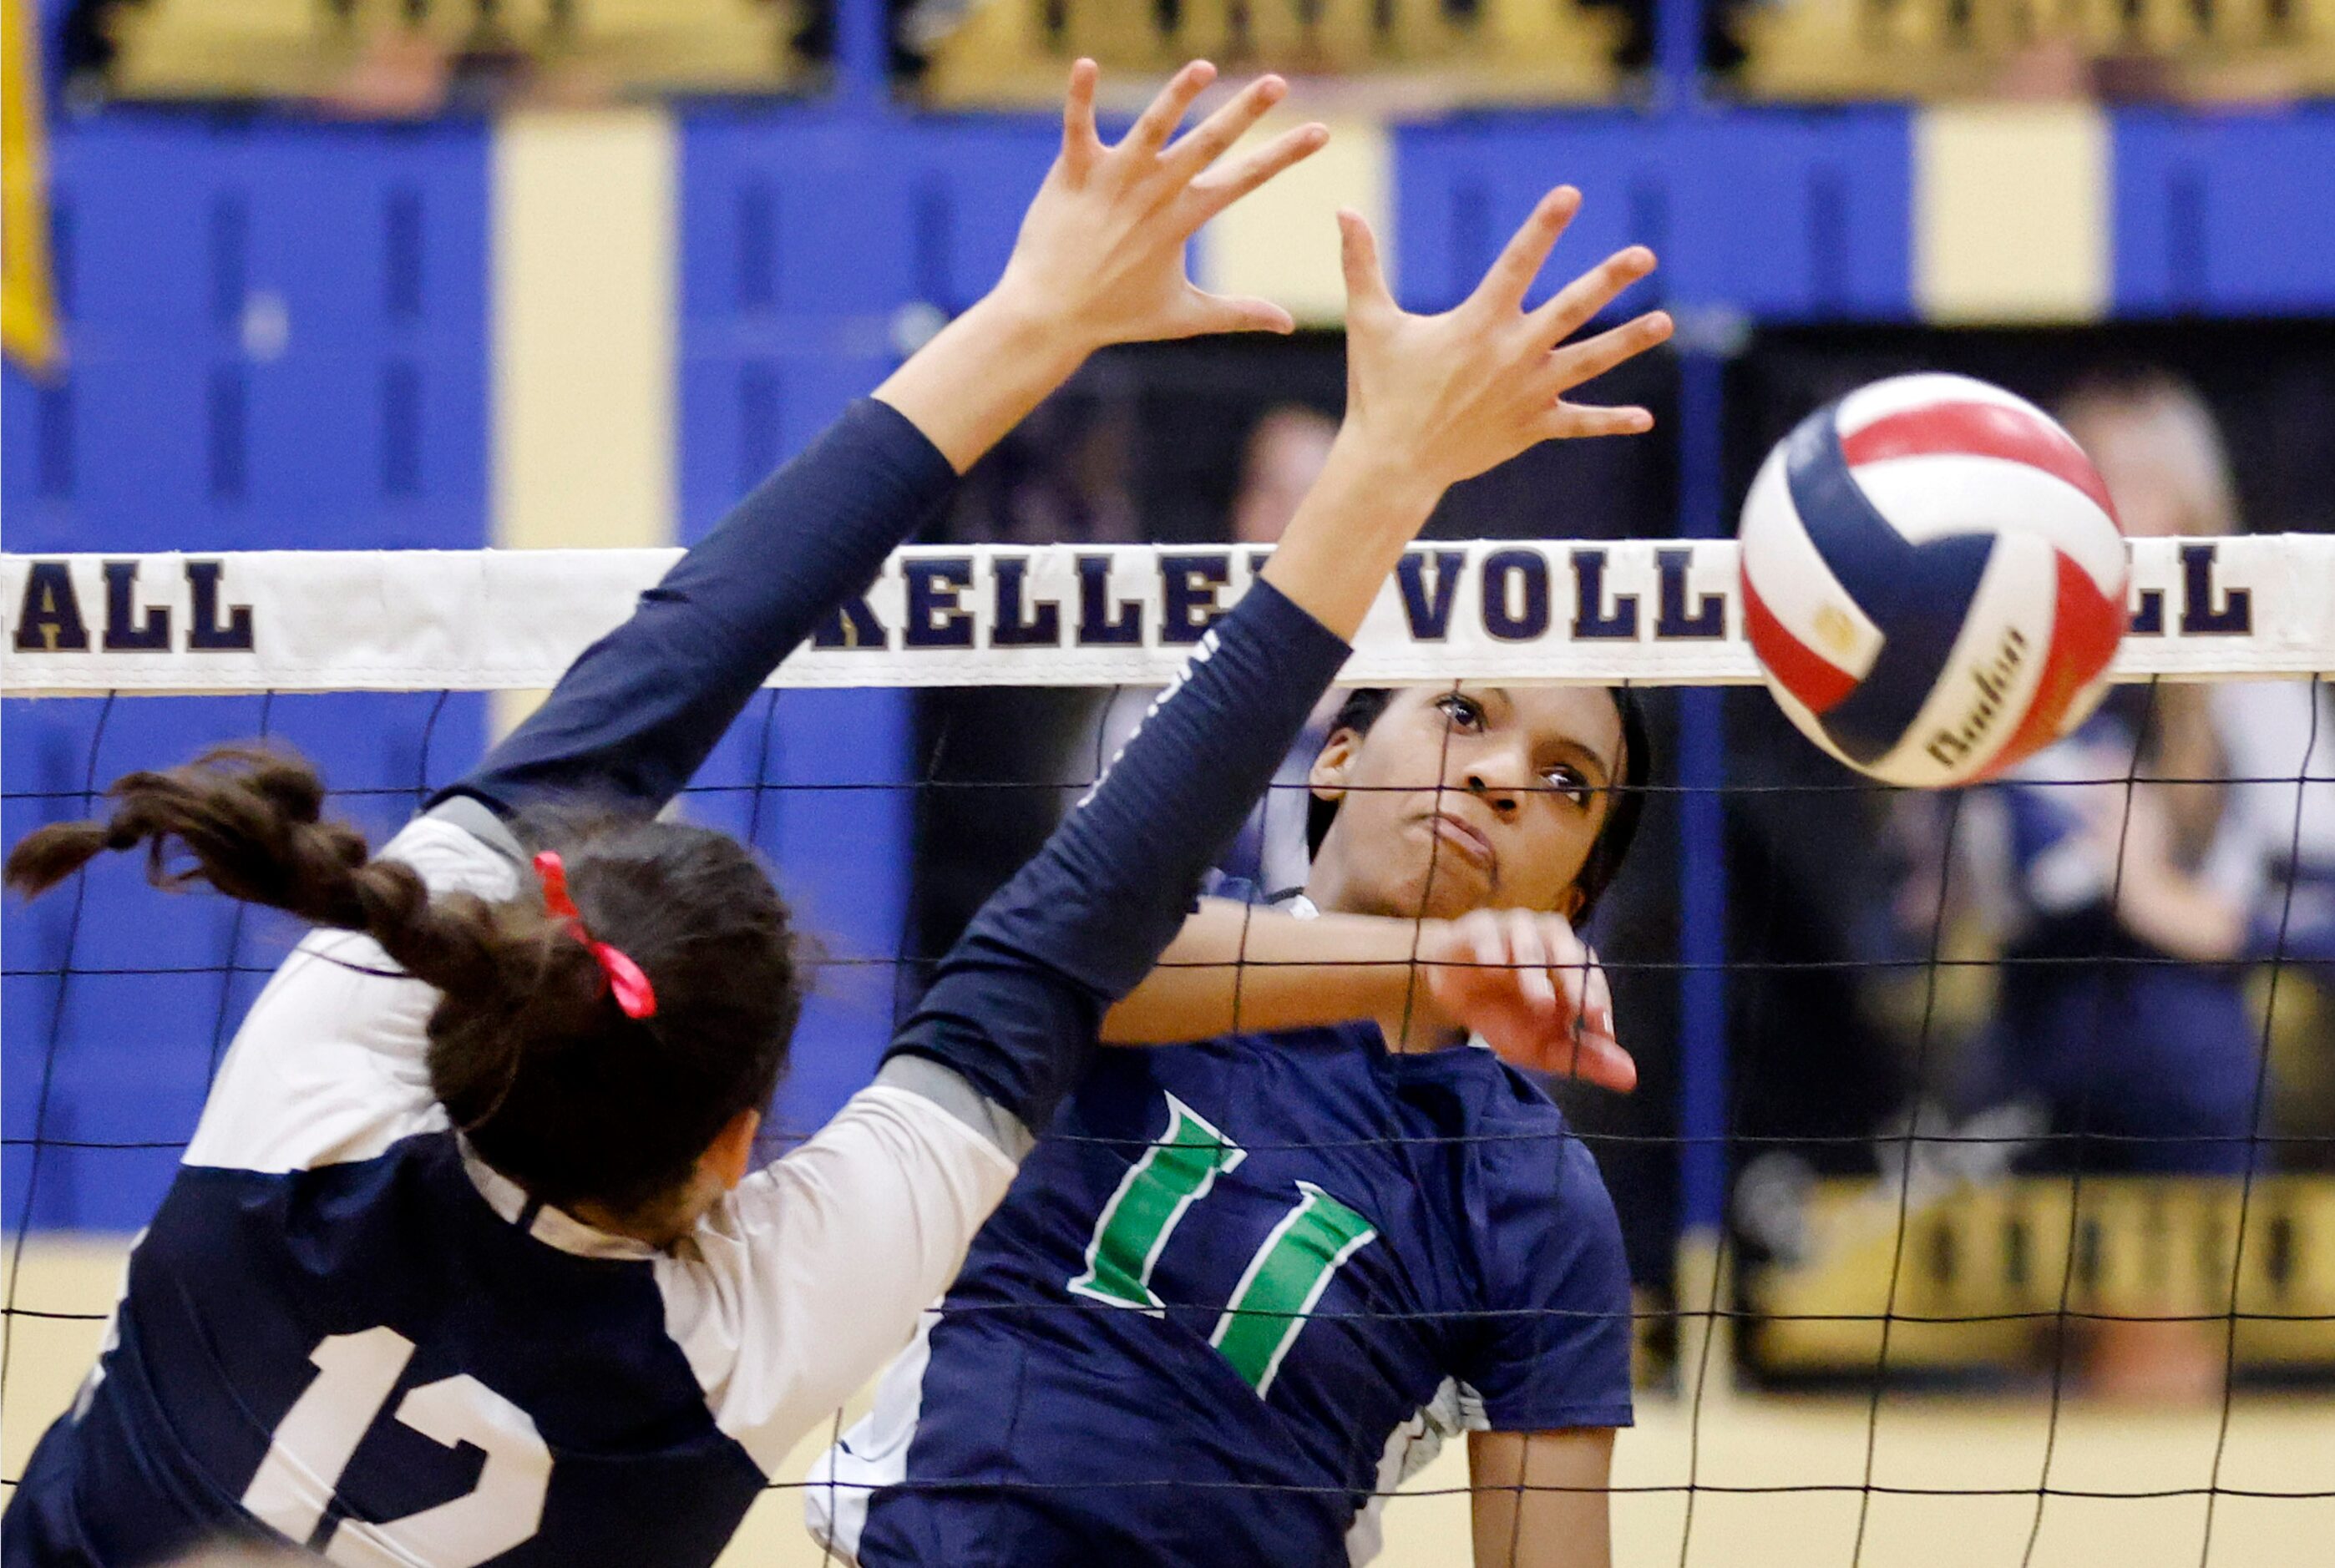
[[732, 1152], [1327, 777]]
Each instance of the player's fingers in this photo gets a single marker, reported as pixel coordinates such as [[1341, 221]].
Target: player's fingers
[[1565, 946], [1529, 951], [1217, 312], [1208, 141], [1568, 959], [1505, 285], [1366, 290], [1573, 421], [1080, 140], [1587, 359], [1599, 1010], [1488, 946], [1221, 187], [1603, 1063], [1165, 113], [1562, 314]]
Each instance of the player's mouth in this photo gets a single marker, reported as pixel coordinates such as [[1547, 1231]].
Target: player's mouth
[[1467, 840]]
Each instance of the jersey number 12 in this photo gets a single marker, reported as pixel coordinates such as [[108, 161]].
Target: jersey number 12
[[313, 1445], [1284, 1278]]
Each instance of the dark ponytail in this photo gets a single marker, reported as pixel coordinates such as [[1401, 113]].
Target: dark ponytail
[[250, 820], [557, 1088]]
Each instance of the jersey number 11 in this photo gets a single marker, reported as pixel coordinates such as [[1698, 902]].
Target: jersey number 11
[[1286, 1275]]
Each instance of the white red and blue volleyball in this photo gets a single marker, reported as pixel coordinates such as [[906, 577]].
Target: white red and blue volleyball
[[1934, 579]]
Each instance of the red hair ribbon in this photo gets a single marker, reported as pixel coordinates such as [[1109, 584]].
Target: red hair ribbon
[[630, 988]]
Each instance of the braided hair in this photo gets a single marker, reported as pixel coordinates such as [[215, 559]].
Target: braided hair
[[554, 1085]]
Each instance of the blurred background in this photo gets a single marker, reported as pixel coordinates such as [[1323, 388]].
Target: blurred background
[[1975, 1124]]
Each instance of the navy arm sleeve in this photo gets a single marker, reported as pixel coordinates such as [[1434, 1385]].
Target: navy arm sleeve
[[638, 712], [1017, 1002]]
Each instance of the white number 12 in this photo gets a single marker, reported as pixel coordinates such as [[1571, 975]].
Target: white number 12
[[356, 1375]]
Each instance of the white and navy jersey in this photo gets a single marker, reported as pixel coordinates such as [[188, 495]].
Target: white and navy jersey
[[1240, 1290], [343, 1326]]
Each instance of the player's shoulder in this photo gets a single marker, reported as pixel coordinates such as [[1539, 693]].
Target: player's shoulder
[[1486, 1089], [459, 846], [1532, 1165]]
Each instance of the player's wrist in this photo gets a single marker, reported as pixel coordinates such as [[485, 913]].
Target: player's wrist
[[1402, 481], [1033, 323]]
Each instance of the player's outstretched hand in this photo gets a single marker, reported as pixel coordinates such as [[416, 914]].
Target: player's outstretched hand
[[1099, 260], [1100, 255], [1533, 988], [1451, 395], [1433, 400]]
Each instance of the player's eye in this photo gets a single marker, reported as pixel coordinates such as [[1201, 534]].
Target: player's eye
[[1570, 784], [1460, 712]]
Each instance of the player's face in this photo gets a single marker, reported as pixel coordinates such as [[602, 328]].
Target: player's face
[[1482, 797]]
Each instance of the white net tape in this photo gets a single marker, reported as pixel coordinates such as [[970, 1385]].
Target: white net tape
[[1651, 612]]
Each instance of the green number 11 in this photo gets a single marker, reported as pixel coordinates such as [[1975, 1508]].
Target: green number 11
[[1284, 1278]]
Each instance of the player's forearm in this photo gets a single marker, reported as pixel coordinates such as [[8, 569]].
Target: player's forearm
[[982, 374], [639, 712], [1234, 966], [1541, 1498]]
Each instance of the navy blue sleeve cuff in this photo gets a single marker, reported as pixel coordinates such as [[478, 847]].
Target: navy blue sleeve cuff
[[640, 711], [1016, 1003]]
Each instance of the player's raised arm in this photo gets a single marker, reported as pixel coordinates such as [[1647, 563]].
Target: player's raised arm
[[1430, 400], [1099, 260]]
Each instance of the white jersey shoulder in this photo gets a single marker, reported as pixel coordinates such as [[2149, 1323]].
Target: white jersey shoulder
[[801, 1284], [328, 1066]]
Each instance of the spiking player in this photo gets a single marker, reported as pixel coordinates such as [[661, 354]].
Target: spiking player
[[1242, 1286], [463, 1264]]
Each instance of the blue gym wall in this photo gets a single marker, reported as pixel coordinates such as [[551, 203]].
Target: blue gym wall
[[279, 336]]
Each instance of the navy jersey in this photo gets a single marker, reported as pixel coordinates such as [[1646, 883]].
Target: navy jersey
[[343, 1326], [1241, 1289]]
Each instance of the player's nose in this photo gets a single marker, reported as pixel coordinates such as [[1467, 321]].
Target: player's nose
[[1498, 777]]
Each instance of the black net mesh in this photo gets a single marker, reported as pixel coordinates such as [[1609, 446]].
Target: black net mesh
[[2029, 1094]]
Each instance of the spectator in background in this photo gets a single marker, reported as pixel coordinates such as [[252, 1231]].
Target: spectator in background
[[1285, 451], [2129, 907]]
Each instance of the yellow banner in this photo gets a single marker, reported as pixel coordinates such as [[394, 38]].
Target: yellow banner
[[1974, 1274]]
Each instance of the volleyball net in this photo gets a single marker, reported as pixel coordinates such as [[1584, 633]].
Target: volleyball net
[[1930, 1102]]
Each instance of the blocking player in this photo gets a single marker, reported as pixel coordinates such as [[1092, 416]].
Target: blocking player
[[464, 1263], [1244, 1286]]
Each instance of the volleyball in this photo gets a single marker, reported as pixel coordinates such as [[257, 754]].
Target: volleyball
[[1934, 579]]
